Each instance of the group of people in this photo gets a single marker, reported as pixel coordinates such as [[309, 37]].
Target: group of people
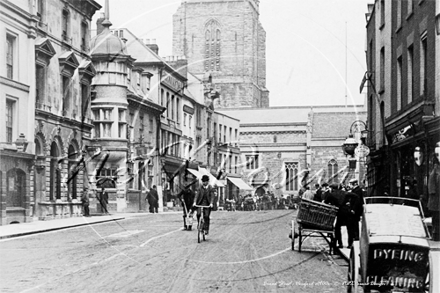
[[348, 199], [102, 199]]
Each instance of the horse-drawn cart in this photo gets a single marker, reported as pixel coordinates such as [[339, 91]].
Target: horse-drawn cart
[[393, 252], [314, 219]]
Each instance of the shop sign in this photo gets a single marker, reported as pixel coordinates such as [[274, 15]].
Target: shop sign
[[173, 82], [398, 267], [362, 151], [403, 133]]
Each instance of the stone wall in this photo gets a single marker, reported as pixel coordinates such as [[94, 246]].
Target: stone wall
[[242, 73]]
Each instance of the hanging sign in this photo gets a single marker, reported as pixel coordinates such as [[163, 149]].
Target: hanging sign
[[361, 151]]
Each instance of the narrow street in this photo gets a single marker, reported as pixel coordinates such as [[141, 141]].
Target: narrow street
[[245, 252]]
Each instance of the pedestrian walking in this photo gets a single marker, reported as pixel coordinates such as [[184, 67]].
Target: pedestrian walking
[[153, 198], [103, 200], [204, 197], [85, 202], [186, 196], [434, 197]]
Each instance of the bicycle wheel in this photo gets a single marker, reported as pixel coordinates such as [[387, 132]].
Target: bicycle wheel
[[200, 234]]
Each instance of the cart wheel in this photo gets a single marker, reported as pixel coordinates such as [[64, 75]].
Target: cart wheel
[[300, 237], [353, 270], [293, 235]]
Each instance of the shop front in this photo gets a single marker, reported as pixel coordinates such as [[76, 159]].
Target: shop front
[[411, 157], [237, 188], [173, 172]]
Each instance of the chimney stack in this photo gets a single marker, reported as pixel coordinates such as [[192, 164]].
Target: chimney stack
[[153, 46]]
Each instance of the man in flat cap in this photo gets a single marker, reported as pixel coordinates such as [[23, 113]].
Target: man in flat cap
[[204, 197]]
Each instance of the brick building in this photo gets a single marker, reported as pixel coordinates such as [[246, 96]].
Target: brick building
[[282, 148], [403, 95], [227, 40]]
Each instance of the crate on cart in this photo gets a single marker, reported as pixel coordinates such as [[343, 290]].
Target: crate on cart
[[314, 214]]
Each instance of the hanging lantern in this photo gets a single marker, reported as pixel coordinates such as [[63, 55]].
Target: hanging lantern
[[349, 145], [418, 156]]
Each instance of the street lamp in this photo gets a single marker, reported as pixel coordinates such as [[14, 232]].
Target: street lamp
[[349, 145], [356, 147]]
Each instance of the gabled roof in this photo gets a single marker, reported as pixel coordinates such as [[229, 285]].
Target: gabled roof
[[143, 54]]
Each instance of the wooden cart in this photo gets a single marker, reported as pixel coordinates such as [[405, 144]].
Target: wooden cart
[[314, 219], [393, 253]]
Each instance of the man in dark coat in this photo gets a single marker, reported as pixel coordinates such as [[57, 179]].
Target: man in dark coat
[[355, 188], [153, 198], [204, 197], [186, 196], [103, 200], [355, 208], [336, 197]]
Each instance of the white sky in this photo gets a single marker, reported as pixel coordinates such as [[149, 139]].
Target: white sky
[[305, 44]]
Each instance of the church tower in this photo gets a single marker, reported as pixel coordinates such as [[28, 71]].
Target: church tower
[[224, 38]]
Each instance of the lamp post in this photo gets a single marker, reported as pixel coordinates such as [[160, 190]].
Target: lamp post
[[356, 148]]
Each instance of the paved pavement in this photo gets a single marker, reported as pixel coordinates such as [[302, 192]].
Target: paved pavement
[[16, 230]]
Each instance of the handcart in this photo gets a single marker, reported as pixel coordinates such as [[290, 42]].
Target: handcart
[[314, 219], [393, 252]]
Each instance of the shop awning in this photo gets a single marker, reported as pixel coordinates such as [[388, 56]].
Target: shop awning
[[195, 173], [212, 179], [240, 183]]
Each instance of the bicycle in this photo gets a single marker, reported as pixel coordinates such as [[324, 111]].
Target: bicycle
[[201, 225]]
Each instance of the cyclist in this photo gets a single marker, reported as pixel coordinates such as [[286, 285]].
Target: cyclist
[[204, 197]]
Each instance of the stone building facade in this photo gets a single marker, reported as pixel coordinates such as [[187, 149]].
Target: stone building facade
[[227, 40], [285, 148], [54, 72], [18, 32]]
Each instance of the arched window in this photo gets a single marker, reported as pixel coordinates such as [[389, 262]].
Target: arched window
[[332, 171], [212, 46], [291, 176]]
